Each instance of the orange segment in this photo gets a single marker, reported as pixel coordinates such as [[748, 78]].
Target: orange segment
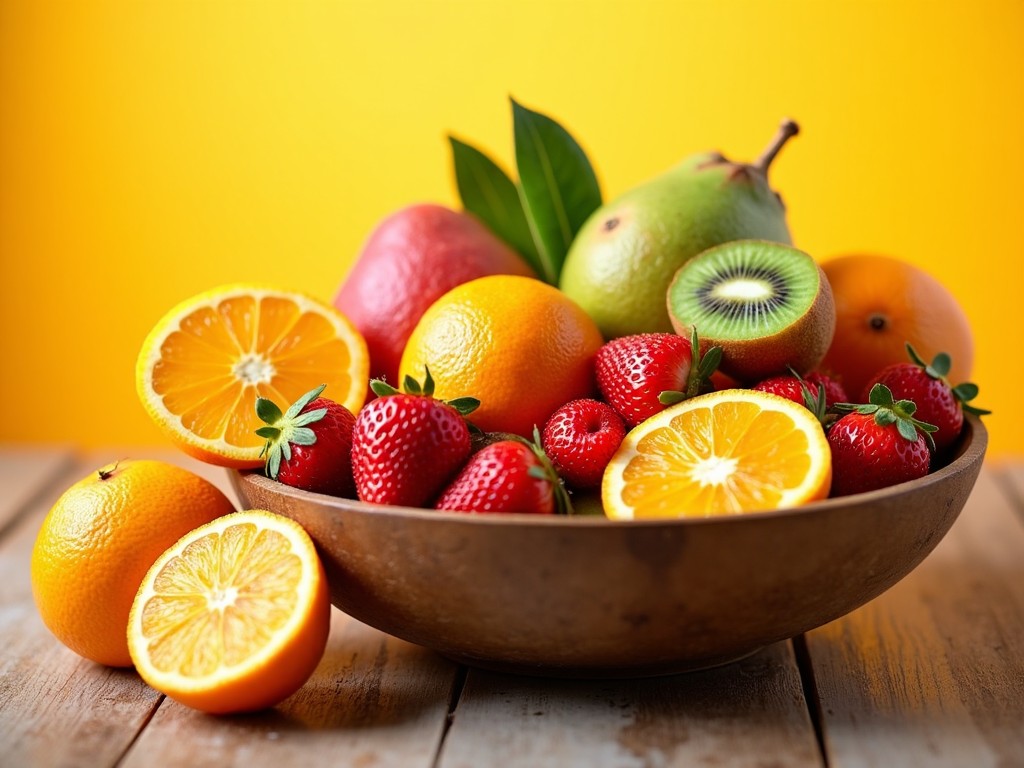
[[234, 617], [726, 452], [208, 359]]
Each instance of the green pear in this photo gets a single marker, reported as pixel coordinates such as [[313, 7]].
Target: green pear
[[621, 262]]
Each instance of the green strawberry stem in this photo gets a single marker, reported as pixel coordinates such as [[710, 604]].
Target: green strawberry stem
[[888, 411], [547, 471], [939, 368], [285, 429], [701, 368], [410, 386]]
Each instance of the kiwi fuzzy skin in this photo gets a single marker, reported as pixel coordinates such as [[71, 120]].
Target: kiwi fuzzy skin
[[801, 345]]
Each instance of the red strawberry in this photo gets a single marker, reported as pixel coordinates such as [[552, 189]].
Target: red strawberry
[[816, 391], [580, 438], [926, 384], [878, 444], [642, 374], [309, 446], [507, 476], [788, 386], [406, 446]]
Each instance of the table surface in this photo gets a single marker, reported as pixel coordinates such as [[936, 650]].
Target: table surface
[[931, 673]]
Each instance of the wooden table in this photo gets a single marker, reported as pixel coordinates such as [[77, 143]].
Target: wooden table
[[930, 673]]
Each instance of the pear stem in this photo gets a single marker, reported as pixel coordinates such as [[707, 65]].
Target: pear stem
[[787, 130]]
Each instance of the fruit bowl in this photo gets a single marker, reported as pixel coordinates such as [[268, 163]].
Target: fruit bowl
[[590, 597]]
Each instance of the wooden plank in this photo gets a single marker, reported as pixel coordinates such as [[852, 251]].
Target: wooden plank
[[373, 701], [1011, 475], [55, 707], [932, 672], [24, 473], [751, 713]]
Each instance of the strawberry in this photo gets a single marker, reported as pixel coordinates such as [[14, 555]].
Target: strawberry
[[878, 444], [507, 476], [937, 402], [309, 446], [642, 374], [580, 438], [816, 391], [788, 386], [407, 445]]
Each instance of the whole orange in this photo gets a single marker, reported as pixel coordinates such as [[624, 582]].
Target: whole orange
[[882, 303], [520, 346], [98, 541]]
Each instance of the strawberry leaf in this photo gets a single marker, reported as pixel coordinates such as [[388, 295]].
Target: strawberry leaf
[[268, 411], [411, 386], [464, 405], [303, 436], [295, 408], [309, 417], [382, 389], [490, 195]]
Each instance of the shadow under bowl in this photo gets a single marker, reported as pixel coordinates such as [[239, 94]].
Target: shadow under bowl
[[592, 597]]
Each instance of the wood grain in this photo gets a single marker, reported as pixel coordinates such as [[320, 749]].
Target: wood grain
[[373, 701], [751, 713], [932, 672], [55, 707], [26, 472]]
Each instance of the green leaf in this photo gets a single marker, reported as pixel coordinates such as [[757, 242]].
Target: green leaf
[[270, 433], [303, 436], [268, 411], [671, 397], [296, 408], [309, 417], [558, 186], [274, 464], [940, 366], [907, 429], [490, 195], [410, 385], [381, 388], [464, 405], [965, 392]]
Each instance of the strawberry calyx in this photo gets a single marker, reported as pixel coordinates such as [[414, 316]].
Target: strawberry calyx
[[887, 411], [699, 376], [545, 470], [815, 403], [411, 386], [286, 429], [939, 369]]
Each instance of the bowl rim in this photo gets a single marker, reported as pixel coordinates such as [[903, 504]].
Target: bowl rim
[[971, 447]]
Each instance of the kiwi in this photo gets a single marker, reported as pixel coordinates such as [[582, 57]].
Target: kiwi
[[768, 305]]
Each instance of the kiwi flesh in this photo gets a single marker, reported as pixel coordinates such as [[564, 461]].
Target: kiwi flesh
[[768, 305]]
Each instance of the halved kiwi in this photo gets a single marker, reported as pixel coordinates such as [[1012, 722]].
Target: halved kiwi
[[768, 305]]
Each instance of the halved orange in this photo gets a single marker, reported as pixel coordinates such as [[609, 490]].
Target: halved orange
[[234, 617], [206, 361], [726, 452]]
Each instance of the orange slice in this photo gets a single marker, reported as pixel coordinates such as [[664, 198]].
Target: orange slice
[[723, 453], [206, 361], [234, 617]]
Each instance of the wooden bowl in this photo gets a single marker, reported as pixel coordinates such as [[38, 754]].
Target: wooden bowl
[[591, 597]]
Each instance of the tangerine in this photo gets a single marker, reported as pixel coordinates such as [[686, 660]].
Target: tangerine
[[206, 361], [882, 303], [520, 346], [98, 541], [726, 452], [234, 617]]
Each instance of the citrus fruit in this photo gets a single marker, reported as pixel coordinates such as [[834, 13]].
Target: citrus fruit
[[206, 361], [520, 346], [234, 617], [883, 303], [98, 541], [726, 452]]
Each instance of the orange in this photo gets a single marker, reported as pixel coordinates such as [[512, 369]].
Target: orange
[[98, 541], [881, 304], [234, 617], [726, 452], [520, 346], [206, 361]]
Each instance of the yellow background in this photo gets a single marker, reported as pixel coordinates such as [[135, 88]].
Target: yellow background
[[152, 150]]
